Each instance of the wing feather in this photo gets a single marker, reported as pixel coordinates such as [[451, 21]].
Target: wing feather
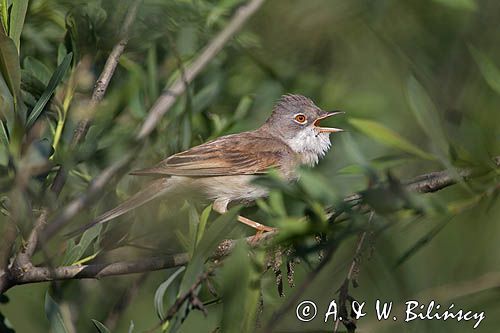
[[245, 153]]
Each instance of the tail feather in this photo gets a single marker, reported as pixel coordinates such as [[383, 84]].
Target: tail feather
[[152, 191]]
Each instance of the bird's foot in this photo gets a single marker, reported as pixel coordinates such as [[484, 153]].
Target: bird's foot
[[260, 228]]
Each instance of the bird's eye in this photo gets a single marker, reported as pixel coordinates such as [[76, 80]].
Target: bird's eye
[[300, 118]]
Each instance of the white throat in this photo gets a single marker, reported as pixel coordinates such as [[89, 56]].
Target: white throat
[[310, 145]]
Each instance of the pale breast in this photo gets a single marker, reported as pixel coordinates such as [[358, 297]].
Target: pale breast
[[310, 146], [232, 188]]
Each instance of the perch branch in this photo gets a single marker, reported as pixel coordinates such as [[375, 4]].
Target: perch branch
[[24, 275], [425, 183]]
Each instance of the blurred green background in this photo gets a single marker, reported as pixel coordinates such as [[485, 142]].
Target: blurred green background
[[419, 82]]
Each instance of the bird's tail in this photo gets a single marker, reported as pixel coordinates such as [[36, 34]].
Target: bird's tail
[[155, 189]]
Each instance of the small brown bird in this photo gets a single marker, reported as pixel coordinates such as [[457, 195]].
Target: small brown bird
[[223, 169]]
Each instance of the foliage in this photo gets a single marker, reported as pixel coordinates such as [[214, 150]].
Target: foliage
[[420, 84]]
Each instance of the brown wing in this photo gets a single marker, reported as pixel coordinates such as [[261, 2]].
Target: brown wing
[[245, 153]]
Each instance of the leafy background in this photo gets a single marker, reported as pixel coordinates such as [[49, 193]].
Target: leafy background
[[420, 84]]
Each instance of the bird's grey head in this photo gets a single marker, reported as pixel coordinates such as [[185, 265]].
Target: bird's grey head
[[296, 120]]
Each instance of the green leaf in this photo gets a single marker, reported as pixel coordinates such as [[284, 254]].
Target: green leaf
[[9, 66], [419, 244], [4, 138], [203, 223], [100, 326], [217, 231], [379, 163], [469, 5], [17, 16], [427, 116], [53, 313], [193, 220], [74, 252], [243, 107], [240, 282], [4, 8], [387, 137], [488, 69], [160, 292], [61, 53], [277, 203], [51, 87], [37, 69], [206, 96]]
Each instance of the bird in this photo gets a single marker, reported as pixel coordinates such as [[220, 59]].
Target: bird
[[223, 169]]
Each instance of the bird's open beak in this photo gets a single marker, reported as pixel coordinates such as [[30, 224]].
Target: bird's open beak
[[327, 129]]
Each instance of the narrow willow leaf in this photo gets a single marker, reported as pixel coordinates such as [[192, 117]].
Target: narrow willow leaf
[[54, 315], [100, 327], [75, 252], [380, 163], [240, 284], [419, 244], [243, 107], [203, 223], [4, 8], [206, 96], [160, 292], [4, 138], [427, 116], [9, 66], [38, 69], [51, 87], [387, 137], [194, 220], [218, 230], [17, 16], [488, 69]]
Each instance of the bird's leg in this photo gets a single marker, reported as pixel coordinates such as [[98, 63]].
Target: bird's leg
[[220, 206], [261, 228]]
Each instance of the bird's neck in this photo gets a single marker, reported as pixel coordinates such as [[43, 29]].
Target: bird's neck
[[309, 146]]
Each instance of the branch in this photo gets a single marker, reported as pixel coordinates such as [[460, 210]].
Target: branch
[[100, 88], [78, 204], [24, 275], [169, 96]]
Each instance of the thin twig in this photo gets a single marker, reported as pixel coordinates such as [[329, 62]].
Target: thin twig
[[78, 204], [100, 88], [188, 296], [352, 276], [169, 96], [278, 315]]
